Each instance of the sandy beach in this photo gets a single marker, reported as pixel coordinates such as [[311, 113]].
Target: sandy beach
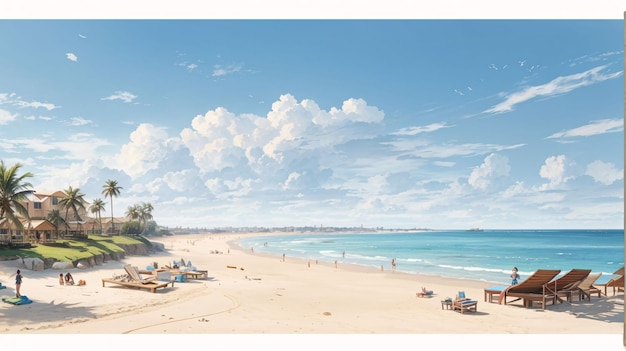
[[265, 295]]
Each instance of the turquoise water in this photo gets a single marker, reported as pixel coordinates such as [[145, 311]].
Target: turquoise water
[[487, 255]]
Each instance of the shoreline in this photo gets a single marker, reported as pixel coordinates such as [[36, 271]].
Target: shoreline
[[357, 268], [264, 295]]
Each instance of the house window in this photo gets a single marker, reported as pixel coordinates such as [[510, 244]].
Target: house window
[[4, 231], [38, 205], [55, 200]]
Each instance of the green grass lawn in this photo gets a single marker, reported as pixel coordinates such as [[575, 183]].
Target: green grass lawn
[[75, 249]]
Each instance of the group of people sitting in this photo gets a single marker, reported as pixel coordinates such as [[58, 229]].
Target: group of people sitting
[[69, 280]]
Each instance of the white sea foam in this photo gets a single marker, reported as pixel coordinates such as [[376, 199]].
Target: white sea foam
[[488, 255]]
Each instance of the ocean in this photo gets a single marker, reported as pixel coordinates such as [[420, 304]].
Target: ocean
[[487, 255]]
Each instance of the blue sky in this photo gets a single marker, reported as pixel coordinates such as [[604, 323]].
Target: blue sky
[[442, 124]]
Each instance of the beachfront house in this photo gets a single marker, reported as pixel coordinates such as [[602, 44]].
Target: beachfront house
[[38, 228]]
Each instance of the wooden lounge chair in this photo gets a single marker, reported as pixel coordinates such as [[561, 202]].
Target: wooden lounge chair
[[616, 283], [134, 279], [586, 287], [133, 273], [464, 304], [531, 289], [567, 284]]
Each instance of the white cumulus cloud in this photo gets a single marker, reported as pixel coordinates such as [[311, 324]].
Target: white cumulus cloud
[[494, 166], [70, 56], [146, 149], [557, 169], [604, 172], [6, 117], [221, 139]]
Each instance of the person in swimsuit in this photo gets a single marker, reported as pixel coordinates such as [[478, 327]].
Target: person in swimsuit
[[18, 283]]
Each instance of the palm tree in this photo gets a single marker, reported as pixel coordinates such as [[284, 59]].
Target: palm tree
[[111, 189], [133, 212], [73, 200], [13, 190], [97, 207], [56, 219], [145, 214]]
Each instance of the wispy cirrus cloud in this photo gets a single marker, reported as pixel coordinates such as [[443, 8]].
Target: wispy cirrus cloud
[[121, 95], [421, 129], [220, 70], [557, 86], [594, 58], [594, 128], [13, 99], [37, 104], [421, 149], [77, 121]]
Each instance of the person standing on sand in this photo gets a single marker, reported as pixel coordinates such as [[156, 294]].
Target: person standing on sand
[[393, 264], [18, 283]]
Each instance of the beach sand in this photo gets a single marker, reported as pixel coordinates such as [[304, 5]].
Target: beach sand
[[264, 295]]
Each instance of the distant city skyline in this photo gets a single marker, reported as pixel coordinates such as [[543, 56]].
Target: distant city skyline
[[440, 124]]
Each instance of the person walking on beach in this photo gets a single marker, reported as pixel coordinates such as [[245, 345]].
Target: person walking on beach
[[393, 264], [18, 283], [514, 276]]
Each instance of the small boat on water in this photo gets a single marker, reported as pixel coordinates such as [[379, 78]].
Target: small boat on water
[[474, 230]]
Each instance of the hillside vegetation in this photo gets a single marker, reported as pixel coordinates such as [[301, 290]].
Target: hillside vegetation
[[75, 249]]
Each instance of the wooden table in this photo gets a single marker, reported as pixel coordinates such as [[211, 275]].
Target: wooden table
[[446, 304]]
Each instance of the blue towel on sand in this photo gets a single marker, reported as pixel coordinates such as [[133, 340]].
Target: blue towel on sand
[[22, 300]]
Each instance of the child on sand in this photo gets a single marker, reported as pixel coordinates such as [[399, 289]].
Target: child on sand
[[514, 276], [69, 280], [60, 278]]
